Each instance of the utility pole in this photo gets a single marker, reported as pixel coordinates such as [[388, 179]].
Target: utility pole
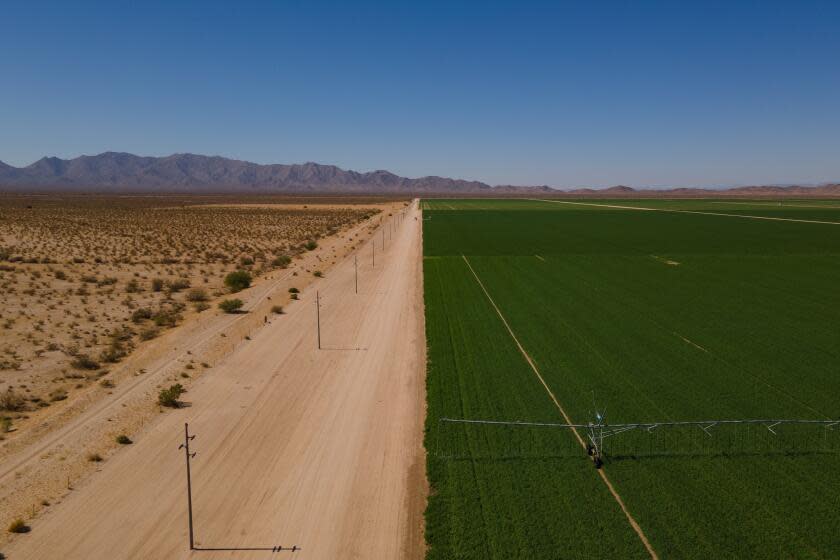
[[318, 316], [188, 456], [356, 267]]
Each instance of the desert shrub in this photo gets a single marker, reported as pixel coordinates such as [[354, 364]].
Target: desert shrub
[[157, 285], [197, 294], [238, 280], [294, 291], [121, 334], [114, 353], [18, 526], [94, 457], [277, 309], [231, 305], [141, 314], [311, 245], [11, 401], [5, 425], [149, 333], [83, 361], [132, 287], [282, 261], [318, 274], [166, 318], [58, 395], [169, 396], [123, 439], [60, 275], [178, 285], [107, 384], [246, 261], [201, 306]]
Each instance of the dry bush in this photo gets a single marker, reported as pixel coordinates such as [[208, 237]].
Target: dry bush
[[238, 280], [231, 305], [83, 361], [75, 270], [197, 294], [169, 397], [18, 526], [11, 401]]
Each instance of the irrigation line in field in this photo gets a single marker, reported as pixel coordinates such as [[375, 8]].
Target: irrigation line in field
[[633, 523], [675, 211], [780, 204], [525, 354]]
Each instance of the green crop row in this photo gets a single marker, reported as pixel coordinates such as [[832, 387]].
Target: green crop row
[[497, 506], [661, 317]]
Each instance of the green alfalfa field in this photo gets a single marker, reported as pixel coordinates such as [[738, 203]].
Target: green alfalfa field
[[659, 310]]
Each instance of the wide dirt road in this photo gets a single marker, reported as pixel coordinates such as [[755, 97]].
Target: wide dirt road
[[321, 449]]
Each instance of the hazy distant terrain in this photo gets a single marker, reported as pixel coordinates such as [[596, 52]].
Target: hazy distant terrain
[[188, 173], [114, 172]]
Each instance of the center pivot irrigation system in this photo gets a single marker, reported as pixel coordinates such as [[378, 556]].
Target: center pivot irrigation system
[[495, 439]]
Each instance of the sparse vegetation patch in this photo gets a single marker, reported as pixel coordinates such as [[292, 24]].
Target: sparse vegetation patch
[[231, 305]]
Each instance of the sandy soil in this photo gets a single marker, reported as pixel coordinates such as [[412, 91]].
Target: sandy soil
[[320, 449], [100, 278], [48, 452]]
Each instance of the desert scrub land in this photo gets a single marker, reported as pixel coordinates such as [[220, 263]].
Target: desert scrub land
[[86, 280]]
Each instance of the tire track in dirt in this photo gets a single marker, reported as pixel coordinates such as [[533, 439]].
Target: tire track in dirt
[[296, 446]]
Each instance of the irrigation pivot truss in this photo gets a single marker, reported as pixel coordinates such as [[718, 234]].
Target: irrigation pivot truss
[[496, 439]]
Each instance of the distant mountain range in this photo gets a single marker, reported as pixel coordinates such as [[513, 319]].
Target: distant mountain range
[[114, 172], [828, 190], [187, 173]]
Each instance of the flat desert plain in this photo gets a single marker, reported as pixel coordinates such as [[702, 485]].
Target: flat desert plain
[[316, 449]]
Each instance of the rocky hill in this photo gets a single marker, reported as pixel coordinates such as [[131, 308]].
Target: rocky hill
[[187, 173], [114, 172]]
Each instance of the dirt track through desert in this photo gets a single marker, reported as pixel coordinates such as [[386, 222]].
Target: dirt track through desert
[[317, 449]]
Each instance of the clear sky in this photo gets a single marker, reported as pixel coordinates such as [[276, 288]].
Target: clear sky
[[564, 94]]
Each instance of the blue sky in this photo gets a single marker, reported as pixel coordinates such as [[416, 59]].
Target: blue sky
[[564, 94]]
